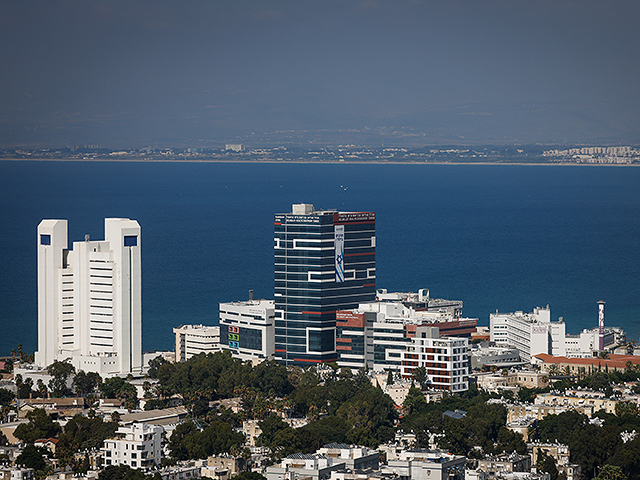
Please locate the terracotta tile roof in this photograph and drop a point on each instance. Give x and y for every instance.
(613, 361)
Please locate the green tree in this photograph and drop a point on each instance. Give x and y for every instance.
(61, 372)
(628, 459)
(327, 430)
(86, 383)
(372, 414)
(155, 364)
(510, 442)
(124, 472)
(24, 386)
(420, 376)
(270, 426)
(190, 443)
(611, 472)
(250, 476)
(547, 464)
(591, 446)
(40, 425)
(82, 433)
(116, 387)
(6, 396)
(33, 457)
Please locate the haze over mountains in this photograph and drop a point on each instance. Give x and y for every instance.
(367, 72)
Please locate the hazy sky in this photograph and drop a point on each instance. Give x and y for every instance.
(138, 72)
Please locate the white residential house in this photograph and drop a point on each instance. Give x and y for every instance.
(137, 445)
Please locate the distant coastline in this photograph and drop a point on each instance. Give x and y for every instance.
(351, 154)
(315, 162)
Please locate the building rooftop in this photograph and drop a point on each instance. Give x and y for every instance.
(613, 361)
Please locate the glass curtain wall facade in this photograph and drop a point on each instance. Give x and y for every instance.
(324, 262)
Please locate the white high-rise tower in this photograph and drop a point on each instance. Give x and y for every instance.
(90, 298)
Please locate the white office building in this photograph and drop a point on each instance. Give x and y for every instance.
(586, 343)
(193, 340)
(247, 329)
(530, 333)
(138, 445)
(90, 298)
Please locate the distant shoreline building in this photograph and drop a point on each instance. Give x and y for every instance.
(90, 298)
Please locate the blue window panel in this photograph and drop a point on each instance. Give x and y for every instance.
(131, 241)
(45, 239)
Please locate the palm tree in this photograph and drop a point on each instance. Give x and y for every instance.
(5, 411)
(42, 388)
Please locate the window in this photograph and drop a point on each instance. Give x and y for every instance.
(45, 239)
(130, 240)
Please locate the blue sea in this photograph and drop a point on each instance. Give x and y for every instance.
(497, 237)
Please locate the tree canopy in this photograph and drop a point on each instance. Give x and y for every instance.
(40, 425)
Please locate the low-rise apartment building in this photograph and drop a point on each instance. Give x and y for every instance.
(137, 445)
(420, 464)
(592, 401)
(561, 454)
(16, 473)
(446, 360)
(493, 382)
(513, 462)
(193, 340)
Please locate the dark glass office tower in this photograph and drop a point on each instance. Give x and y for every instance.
(324, 261)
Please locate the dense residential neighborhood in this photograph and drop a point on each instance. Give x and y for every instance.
(219, 417)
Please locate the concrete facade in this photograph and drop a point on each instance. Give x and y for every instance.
(530, 333)
(137, 445)
(446, 360)
(90, 298)
(193, 340)
(247, 329)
